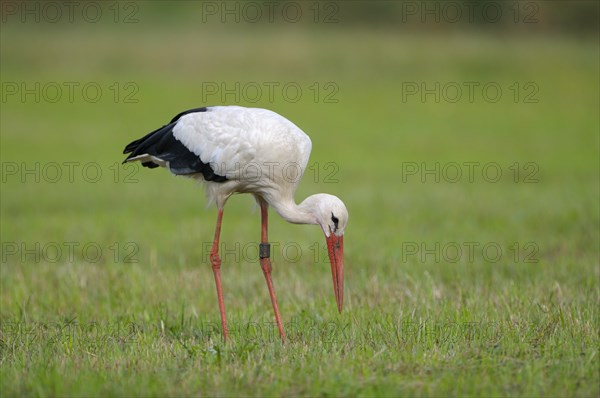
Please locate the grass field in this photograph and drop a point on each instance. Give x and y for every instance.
(472, 250)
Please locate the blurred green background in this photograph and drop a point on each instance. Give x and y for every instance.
(375, 86)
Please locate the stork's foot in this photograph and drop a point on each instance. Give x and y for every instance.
(265, 265)
(216, 267)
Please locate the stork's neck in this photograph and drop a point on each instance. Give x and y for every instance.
(302, 213)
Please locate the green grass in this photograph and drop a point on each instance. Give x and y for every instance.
(521, 322)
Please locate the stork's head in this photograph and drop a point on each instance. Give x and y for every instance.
(331, 214)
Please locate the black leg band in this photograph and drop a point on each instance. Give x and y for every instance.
(264, 250)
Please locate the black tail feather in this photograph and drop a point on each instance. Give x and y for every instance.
(161, 144)
(139, 146)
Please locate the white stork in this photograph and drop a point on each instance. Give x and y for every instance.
(247, 150)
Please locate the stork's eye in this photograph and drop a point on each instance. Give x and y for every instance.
(335, 221)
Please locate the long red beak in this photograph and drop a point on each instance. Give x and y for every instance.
(335, 247)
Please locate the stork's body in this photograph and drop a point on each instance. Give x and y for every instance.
(247, 150)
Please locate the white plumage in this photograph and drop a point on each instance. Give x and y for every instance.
(255, 149)
(247, 150)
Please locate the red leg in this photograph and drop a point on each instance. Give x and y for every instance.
(265, 264)
(216, 266)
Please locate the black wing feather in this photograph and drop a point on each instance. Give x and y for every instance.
(179, 115)
(161, 144)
